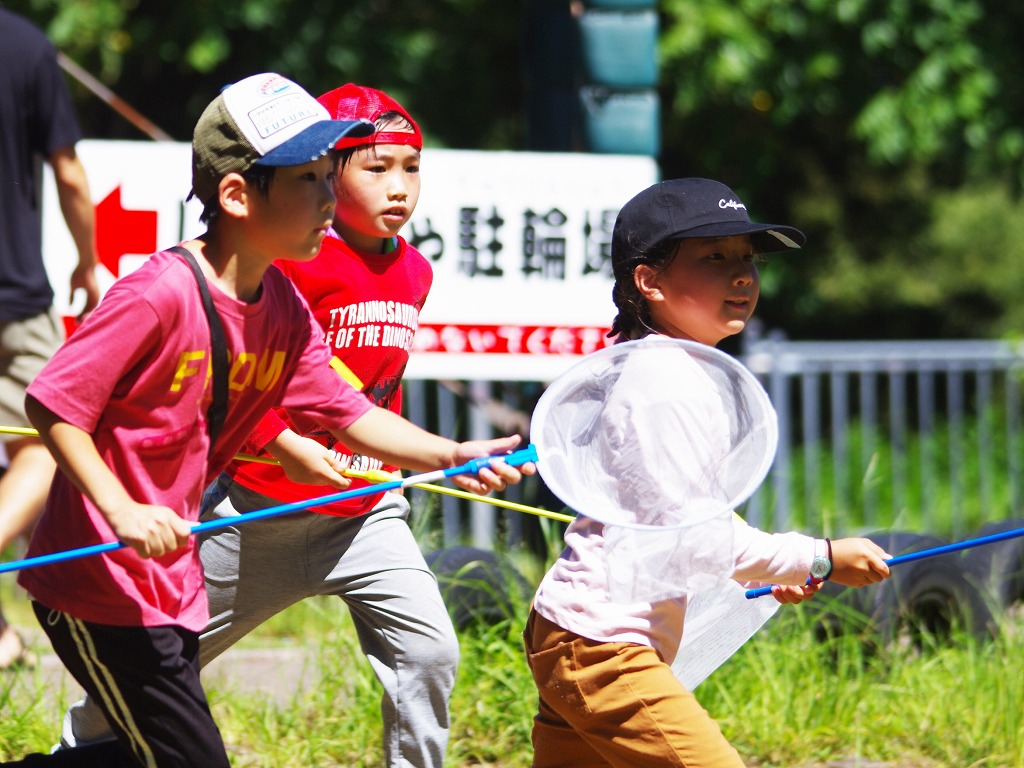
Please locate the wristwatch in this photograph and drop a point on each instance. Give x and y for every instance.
(821, 565)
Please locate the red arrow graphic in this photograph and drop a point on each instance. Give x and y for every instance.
(119, 231)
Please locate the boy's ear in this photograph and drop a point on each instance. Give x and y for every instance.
(233, 194)
(647, 282)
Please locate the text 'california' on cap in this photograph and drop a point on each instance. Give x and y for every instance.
(265, 119)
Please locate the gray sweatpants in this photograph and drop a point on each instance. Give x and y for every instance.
(373, 563)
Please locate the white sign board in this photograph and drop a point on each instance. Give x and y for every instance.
(519, 244)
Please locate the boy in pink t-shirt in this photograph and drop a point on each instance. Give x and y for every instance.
(123, 406)
(366, 277)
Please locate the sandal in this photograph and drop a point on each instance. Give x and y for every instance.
(13, 653)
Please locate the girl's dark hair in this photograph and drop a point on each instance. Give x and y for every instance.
(393, 119)
(634, 318)
(258, 177)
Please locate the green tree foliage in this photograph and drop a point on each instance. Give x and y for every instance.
(907, 80)
(452, 63)
(890, 130)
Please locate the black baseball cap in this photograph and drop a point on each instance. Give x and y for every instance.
(685, 208)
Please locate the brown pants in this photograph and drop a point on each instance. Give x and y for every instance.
(615, 704)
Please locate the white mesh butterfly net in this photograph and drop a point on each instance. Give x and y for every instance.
(659, 439)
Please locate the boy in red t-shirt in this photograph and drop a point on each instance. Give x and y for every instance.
(366, 288)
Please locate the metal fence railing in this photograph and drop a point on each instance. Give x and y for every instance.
(922, 436)
(472, 410)
(919, 435)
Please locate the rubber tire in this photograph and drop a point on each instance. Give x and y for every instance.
(478, 586)
(930, 596)
(997, 570)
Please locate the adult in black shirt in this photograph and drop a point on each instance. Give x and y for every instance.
(37, 125)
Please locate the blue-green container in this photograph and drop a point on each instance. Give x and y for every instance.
(619, 48)
(620, 5)
(621, 122)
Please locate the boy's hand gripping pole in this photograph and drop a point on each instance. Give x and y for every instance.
(515, 459)
(922, 554)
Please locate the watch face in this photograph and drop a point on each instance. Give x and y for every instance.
(820, 567)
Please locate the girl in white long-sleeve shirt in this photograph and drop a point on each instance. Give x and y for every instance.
(684, 256)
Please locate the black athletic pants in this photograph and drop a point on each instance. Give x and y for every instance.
(146, 679)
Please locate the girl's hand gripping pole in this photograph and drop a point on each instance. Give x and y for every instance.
(922, 554)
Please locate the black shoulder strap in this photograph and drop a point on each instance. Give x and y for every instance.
(219, 349)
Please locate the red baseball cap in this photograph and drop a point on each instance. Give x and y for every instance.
(359, 102)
